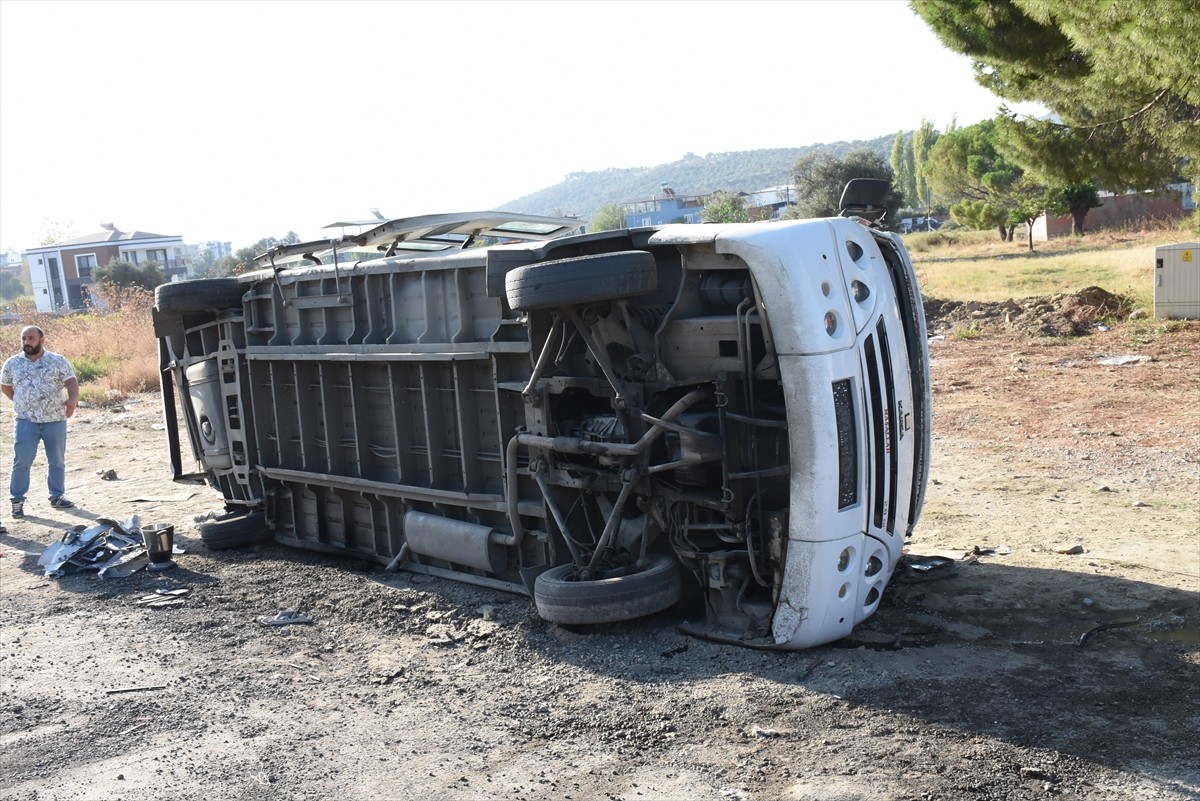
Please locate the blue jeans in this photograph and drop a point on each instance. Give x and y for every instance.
(26, 437)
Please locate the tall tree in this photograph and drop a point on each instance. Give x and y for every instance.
(1027, 200)
(10, 286)
(204, 264)
(1119, 77)
(965, 164)
(901, 163)
(122, 274)
(724, 207)
(923, 140)
(610, 217)
(820, 177)
(1078, 200)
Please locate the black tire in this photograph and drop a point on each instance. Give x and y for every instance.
(559, 599)
(180, 297)
(583, 279)
(237, 530)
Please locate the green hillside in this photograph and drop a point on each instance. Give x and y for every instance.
(583, 193)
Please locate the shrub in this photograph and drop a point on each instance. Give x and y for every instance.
(969, 331)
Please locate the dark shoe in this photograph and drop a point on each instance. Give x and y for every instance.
(18, 509)
(61, 502)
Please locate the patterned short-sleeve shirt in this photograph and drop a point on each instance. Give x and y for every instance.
(37, 386)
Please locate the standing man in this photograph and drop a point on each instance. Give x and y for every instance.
(33, 380)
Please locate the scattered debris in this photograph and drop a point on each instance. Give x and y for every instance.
(388, 677)
(995, 550)
(925, 568)
(1117, 361)
(136, 689)
(160, 598)
(1140, 505)
(159, 603)
(107, 475)
(160, 498)
(112, 549)
(287, 617)
(1094, 630)
(1070, 550)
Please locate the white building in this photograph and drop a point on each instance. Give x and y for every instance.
(61, 273)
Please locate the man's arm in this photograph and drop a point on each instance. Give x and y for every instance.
(8, 390)
(72, 385)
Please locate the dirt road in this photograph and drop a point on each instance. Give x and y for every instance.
(1059, 659)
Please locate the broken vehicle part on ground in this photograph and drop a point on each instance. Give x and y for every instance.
(112, 549)
(588, 419)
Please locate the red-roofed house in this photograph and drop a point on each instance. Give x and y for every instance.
(61, 273)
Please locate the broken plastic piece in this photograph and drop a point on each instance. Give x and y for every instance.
(125, 564)
(285, 618)
(1117, 361)
(111, 548)
(162, 597)
(158, 603)
(930, 563)
(925, 568)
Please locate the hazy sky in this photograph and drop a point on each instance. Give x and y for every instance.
(240, 120)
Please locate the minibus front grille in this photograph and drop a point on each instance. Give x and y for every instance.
(879, 399)
(847, 436)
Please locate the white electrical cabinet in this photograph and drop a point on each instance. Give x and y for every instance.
(1177, 280)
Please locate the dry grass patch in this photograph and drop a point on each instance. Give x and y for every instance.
(975, 265)
(114, 353)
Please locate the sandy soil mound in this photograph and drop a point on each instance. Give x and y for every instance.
(1053, 315)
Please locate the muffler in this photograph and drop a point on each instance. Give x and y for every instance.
(468, 544)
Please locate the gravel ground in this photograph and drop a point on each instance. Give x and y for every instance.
(1054, 654)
